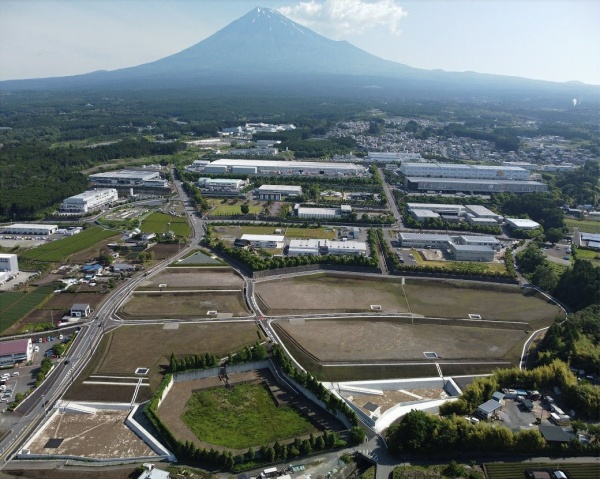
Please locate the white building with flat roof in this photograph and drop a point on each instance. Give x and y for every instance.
(459, 171)
(461, 252)
(424, 240)
(423, 215)
(29, 229)
(284, 168)
(522, 224)
(316, 247)
(392, 157)
(264, 241)
(468, 185)
(89, 201)
(129, 178)
(221, 185)
(9, 263)
(480, 211)
(441, 208)
(278, 192)
(473, 240)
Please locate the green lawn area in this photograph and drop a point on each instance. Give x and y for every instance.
(289, 232)
(230, 210)
(593, 256)
(585, 226)
(59, 250)
(242, 417)
(162, 223)
(13, 306)
(472, 266)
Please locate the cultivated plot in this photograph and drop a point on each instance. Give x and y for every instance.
(327, 293)
(127, 348)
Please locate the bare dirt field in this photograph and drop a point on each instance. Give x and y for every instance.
(199, 278)
(102, 436)
(66, 300)
(326, 293)
(70, 472)
(494, 302)
(444, 299)
(379, 340)
(117, 355)
(182, 305)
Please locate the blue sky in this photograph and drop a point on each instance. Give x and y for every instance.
(543, 39)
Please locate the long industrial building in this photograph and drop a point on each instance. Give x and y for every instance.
(278, 192)
(315, 247)
(17, 351)
(392, 157)
(461, 248)
(425, 185)
(89, 201)
(29, 229)
(459, 171)
(221, 185)
(283, 168)
(129, 178)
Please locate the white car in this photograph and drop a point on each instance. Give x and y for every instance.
(16, 373)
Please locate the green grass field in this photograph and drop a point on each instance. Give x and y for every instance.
(17, 305)
(289, 232)
(162, 223)
(585, 226)
(60, 250)
(513, 470)
(471, 266)
(593, 256)
(242, 417)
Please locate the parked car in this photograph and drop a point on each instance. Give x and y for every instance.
(16, 373)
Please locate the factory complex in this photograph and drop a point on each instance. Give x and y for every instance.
(129, 179)
(460, 171)
(414, 184)
(89, 201)
(29, 229)
(461, 248)
(474, 214)
(315, 247)
(283, 168)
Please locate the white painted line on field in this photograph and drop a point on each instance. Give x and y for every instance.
(163, 291)
(113, 383)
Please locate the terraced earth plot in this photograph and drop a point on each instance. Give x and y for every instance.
(127, 348)
(322, 293)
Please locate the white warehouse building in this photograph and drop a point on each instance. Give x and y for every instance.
(474, 172)
(471, 252)
(472, 240)
(424, 240)
(277, 192)
(315, 247)
(322, 213)
(29, 229)
(522, 224)
(392, 157)
(9, 263)
(264, 241)
(217, 185)
(284, 168)
(89, 201)
(129, 178)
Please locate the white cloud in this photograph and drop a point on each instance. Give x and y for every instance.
(341, 18)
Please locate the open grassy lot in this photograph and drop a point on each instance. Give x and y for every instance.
(435, 298)
(61, 249)
(503, 470)
(196, 278)
(589, 255)
(14, 308)
(182, 305)
(241, 417)
(364, 340)
(162, 223)
(129, 347)
(233, 207)
(232, 232)
(163, 250)
(458, 299)
(471, 265)
(585, 226)
(326, 293)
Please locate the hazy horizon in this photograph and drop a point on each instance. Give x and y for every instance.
(544, 40)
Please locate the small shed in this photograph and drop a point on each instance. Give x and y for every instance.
(554, 434)
(498, 396)
(80, 310)
(488, 408)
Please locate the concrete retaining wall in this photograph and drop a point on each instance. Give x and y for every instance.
(165, 392)
(148, 438)
(212, 372)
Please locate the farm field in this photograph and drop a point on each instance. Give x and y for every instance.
(232, 232)
(242, 417)
(585, 226)
(443, 299)
(163, 250)
(61, 249)
(116, 357)
(368, 339)
(162, 223)
(513, 470)
(327, 293)
(13, 308)
(196, 278)
(179, 305)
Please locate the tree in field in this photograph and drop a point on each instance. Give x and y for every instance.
(245, 208)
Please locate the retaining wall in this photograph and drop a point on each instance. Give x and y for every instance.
(148, 438)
